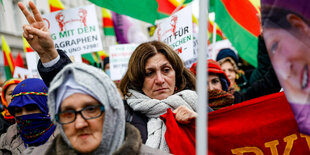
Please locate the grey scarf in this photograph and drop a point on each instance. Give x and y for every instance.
(153, 108)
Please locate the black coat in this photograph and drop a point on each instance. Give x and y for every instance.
(4, 125)
(267, 85)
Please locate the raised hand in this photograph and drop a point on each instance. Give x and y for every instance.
(37, 34)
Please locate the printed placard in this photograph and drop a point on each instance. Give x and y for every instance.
(75, 30)
(119, 58)
(177, 31)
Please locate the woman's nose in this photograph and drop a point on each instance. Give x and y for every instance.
(210, 86)
(159, 78)
(80, 122)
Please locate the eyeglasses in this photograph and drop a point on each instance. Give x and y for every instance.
(89, 112)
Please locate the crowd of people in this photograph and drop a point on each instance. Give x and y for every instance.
(77, 109)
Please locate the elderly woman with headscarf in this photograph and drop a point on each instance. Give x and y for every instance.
(33, 125)
(90, 114)
(6, 119)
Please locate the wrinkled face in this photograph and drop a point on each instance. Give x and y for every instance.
(214, 82)
(228, 68)
(9, 92)
(159, 82)
(290, 57)
(84, 135)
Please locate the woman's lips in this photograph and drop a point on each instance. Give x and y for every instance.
(161, 89)
(84, 135)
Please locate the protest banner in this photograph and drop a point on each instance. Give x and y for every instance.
(261, 126)
(119, 58)
(75, 30)
(177, 31)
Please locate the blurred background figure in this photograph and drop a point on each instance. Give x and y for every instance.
(218, 87)
(228, 61)
(6, 119)
(106, 66)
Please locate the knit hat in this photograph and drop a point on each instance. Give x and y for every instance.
(227, 52)
(214, 67)
(7, 116)
(299, 6)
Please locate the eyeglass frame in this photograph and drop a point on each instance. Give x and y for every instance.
(80, 112)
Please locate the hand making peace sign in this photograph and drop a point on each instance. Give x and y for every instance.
(37, 34)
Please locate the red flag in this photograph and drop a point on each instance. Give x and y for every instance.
(19, 61)
(264, 125)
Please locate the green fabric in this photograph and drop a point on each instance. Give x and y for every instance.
(109, 31)
(218, 38)
(244, 42)
(145, 10)
(212, 6)
(187, 1)
(89, 57)
(7, 71)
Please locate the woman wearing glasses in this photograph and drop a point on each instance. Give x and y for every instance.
(90, 121)
(33, 126)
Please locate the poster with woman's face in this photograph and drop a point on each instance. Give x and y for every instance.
(286, 30)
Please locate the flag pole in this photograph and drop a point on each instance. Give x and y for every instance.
(202, 75)
(214, 37)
